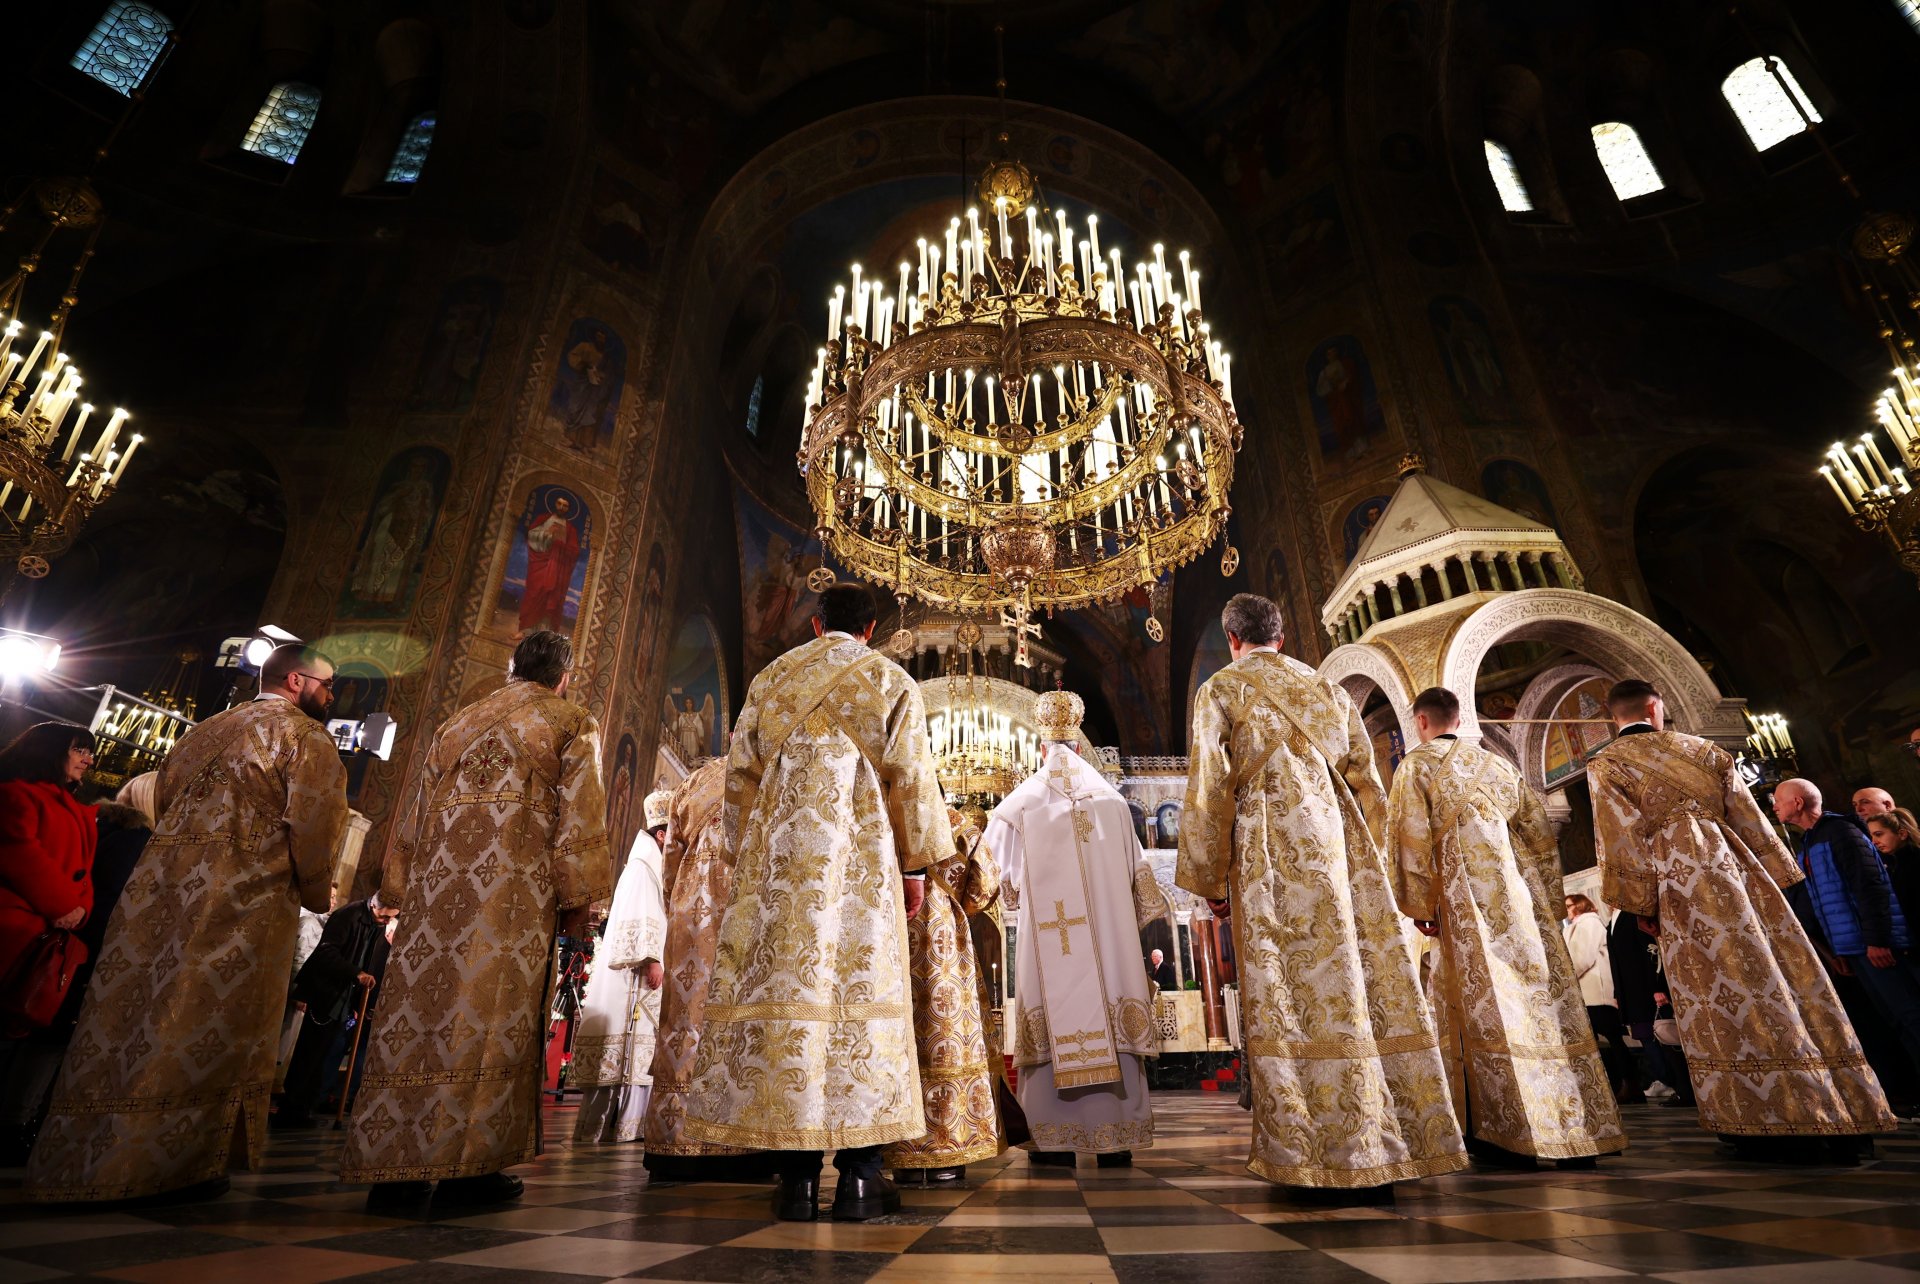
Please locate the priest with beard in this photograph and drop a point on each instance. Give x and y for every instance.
(1068, 850)
(172, 1062)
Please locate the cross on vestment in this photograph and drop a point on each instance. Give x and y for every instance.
(1062, 923)
(1015, 618)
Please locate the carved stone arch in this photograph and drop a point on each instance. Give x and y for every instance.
(1362, 670)
(1616, 638)
(1539, 700)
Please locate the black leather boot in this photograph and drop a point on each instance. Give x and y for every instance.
(1051, 1158)
(798, 1199)
(861, 1198)
(397, 1194)
(490, 1188)
(1114, 1159)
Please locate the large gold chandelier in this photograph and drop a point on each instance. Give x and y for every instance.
(1016, 422)
(982, 750)
(1877, 491)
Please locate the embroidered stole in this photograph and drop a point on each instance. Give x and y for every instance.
(1060, 837)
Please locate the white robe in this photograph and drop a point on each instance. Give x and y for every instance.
(1100, 1026)
(619, 1015)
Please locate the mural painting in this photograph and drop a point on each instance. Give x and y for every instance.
(1359, 521)
(1166, 819)
(546, 575)
(694, 709)
(457, 344)
(392, 548)
(1472, 360)
(1346, 405)
(1308, 244)
(612, 228)
(1512, 485)
(1278, 586)
(775, 559)
(652, 595)
(1571, 743)
(620, 787)
(587, 384)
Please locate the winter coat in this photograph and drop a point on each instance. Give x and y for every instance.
(123, 833)
(47, 842)
(1851, 897)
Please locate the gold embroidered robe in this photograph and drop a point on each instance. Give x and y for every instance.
(831, 795)
(508, 829)
(949, 1027)
(1473, 851)
(699, 867)
(178, 1036)
(1768, 1046)
(1283, 805)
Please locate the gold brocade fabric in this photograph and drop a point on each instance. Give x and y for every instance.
(831, 794)
(507, 829)
(699, 883)
(956, 1078)
(1283, 805)
(1769, 1047)
(1472, 850)
(177, 1040)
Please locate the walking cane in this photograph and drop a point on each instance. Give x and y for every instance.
(353, 1056)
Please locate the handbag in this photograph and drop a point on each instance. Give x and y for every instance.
(40, 981)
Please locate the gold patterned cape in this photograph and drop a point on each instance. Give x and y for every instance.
(831, 795)
(177, 1039)
(949, 1027)
(699, 866)
(1473, 851)
(1768, 1046)
(507, 829)
(1282, 812)
(1069, 855)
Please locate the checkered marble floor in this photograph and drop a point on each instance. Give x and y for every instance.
(1673, 1207)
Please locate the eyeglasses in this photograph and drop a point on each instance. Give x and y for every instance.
(1912, 746)
(325, 682)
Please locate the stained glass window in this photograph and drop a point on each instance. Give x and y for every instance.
(1629, 168)
(411, 156)
(1762, 102)
(281, 126)
(1507, 180)
(753, 405)
(123, 46)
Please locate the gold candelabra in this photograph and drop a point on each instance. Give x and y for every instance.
(1017, 422)
(49, 485)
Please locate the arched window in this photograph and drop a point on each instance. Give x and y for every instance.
(1760, 97)
(1910, 10)
(411, 156)
(753, 405)
(1624, 157)
(123, 46)
(1507, 180)
(281, 126)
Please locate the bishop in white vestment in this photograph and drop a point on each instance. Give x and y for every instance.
(620, 1015)
(1066, 845)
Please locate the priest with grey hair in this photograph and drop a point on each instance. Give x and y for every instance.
(1080, 890)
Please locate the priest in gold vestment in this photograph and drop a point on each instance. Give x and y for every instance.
(1681, 841)
(831, 798)
(949, 1025)
(175, 1047)
(1281, 825)
(699, 874)
(504, 845)
(1475, 865)
(1070, 857)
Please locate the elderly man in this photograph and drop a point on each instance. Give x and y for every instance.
(1682, 842)
(504, 846)
(1284, 816)
(1870, 802)
(1852, 907)
(176, 1044)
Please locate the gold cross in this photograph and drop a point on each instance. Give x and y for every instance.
(1062, 923)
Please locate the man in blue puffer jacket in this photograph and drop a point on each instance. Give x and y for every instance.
(1851, 904)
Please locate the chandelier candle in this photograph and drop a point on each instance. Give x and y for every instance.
(1010, 434)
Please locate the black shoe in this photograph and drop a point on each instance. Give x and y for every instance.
(929, 1176)
(1492, 1156)
(1051, 1158)
(798, 1199)
(1115, 1159)
(1678, 1102)
(1335, 1197)
(398, 1194)
(1577, 1162)
(490, 1188)
(861, 1199)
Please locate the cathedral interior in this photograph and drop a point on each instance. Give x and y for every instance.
(479, 318)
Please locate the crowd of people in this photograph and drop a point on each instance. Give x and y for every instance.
(787, 966)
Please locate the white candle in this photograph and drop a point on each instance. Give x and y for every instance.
(1006, 237)
(75, 475)
(7, 337)
(1193, 288)
(6, 372)
(834, 306)
(106, 473)
(992, 413)
(73, 438)
(33, 358)
(953, 245)
(1093, 234)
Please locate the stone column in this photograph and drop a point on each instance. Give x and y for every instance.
(1466, 565)
(1393, 594)
(1446, 583)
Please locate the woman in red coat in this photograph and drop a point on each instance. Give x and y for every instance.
(47, 836)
